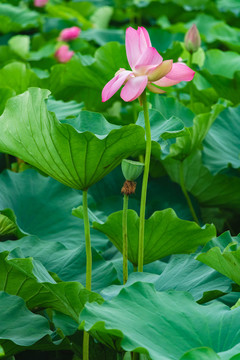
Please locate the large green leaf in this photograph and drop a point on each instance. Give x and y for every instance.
(103, 36)
(8, 225)
(221, 145)
(225, 87)
(49, 219)
(68, 11)
(20, 44)
(5, 94)
(29, 279)
(18, 324)
(228, 5)
(194, 135)
(181, 273)
(165, 234)
(165, 325)
(64, 110)
(68, 264)
(162, 129)
(18, 77)
(203, 353)
(223, 255)
(213, 191)
(170, 106)
(73, 158)
(217, 60)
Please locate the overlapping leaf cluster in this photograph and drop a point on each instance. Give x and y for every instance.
(57, 138)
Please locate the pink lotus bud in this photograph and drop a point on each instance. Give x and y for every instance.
(40, 3)
(192, 39)
(69, 33)
(63, 54)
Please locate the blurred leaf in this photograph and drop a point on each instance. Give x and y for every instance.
(75, 81)
(18, 77)
(17, 18)
(20, 44)
(202, 353)
(67, 12)
(223, 63)
(221, 147)
(229, 5)
(225, 87)
(102, 17)
(103, 36)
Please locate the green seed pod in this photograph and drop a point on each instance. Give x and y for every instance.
(132, 169)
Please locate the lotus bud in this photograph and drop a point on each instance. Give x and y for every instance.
(69, 33)
(132, 169)
(63, 54)
(192, 39)
(40, 3)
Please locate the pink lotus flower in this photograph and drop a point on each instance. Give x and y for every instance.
(40, 3)
(69, 33)
(148, 69)
(63, 54)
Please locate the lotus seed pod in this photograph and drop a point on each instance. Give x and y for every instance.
(132, 169)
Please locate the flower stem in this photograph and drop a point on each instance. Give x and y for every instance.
(88, 266)
(184, 190)
(145, 181)
(7, 161)
(125, 238)
(191, 84)
(134, 356)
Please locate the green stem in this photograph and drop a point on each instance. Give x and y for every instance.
(191, 83)
(134, 356)
(85, 345)
(7, 160)
(88, 266)
(125, 238)
(184, 190)
(145, 182)
(135, 114)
